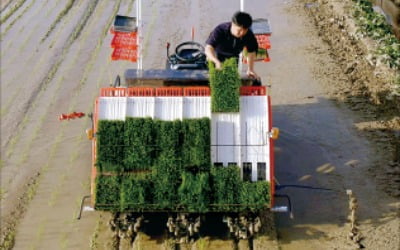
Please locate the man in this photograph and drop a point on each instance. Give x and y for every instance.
(228, 40)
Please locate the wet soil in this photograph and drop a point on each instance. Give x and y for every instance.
(338, 124)
(338, 131)
(367, 88)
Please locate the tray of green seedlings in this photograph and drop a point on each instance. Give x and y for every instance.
(225, 85)
(166, 166)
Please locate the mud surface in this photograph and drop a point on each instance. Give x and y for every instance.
(338, 126)
(337, 129)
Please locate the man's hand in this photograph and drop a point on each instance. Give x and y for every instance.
(252, 74)
(210, 53)
(250, 70)
(218, 65)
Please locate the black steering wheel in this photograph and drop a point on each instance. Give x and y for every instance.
(189, 52)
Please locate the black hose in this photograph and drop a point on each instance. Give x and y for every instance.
(80, 211)
(289, 203)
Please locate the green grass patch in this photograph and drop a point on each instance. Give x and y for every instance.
(374, 25)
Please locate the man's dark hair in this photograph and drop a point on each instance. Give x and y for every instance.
(242, 19)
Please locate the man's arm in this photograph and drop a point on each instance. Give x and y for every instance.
(250, 61)
(211, 56)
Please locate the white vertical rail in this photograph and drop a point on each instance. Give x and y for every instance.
(137, 16)
(241, 54)
(139, 25)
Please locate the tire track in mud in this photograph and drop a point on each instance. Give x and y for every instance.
(202, 29)
(5, 6)
(12, 11)
(90, 108)
(103, 71)
(144, 36)
(24, 155)
(12, 42)
(99, 222)
(166, 35)
(29, 38)
(21, 159)
(60, 16)
(17, 18)
(125, 5)
(37, 63)
(38, 127)
(32, 136)
(75, 34)
(72, 105)
(132, 2)
(33, 31)
(12, 97)
(8, 226)
(19, 125)
(64, 23)
(24, 43)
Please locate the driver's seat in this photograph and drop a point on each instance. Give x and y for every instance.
(188, 55)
